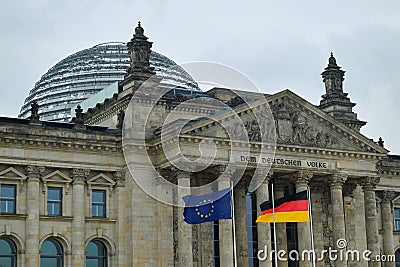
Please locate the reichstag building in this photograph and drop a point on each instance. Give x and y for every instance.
(90, 174)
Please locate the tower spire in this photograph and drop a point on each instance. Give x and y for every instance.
(139, 51)
(335, 101)
(140, 71)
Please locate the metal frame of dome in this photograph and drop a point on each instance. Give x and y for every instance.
(84, 73)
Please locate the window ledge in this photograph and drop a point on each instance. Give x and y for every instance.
(99, 219)
(55, 218)
(13, 216)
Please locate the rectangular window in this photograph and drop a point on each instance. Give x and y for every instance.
(397, 219)
(99, 203)
(54, 201)
(7, 198)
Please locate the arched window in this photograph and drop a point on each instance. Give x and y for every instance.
(96, 254)
(397, 256)
(8, 253)
(51, 254)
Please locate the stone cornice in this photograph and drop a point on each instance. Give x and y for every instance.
(53, 142)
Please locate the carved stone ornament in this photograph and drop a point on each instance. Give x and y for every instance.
(80, 172)
(34, 172)
(370, 182)
(337, 180)
(294, 128)
(303, 177)
(388, 196)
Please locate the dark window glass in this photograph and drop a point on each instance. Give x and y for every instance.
(8, 253)
(51, 254)
(99, 203)
(215, 234)
(397, 257)
(96, 254)
(397, 219)
(252, 236)
(54, 201)
(7, 198)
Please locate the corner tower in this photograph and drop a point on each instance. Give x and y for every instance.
(335, 102)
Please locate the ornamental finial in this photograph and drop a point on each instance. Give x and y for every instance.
(139, 30)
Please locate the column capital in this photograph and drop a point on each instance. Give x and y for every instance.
(34, 172)
(302, 177)
(119, 178)
(370, 182)
(79, 175)
(337, 180)
(388, 196)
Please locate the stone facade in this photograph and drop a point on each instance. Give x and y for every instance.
(354, 184)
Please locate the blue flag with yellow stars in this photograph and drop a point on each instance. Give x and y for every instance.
(206, 208)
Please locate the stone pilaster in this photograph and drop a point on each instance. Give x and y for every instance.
(185, 253)
(206, 244)
(32, 221)
(240, 223)
(338, 225)
(264, 229)
(78, 212)
(225, 226)
(371, 218)
(165, 223)
(281, 236)
(387, 224)
(122, 222)
(303, 228)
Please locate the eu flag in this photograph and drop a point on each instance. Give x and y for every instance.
(206, 208)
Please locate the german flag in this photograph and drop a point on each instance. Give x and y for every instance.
(287, 209)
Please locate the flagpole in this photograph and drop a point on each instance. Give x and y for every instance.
(311, 224)
(233, 225)
(273, 219)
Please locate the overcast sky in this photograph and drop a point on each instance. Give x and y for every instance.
(278, 44)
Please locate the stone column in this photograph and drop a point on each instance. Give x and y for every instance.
(185, 253)
(303, 228)
(371, 218)
(387, 224)
(225, 226)
(78, 212)
(360, 235)
(32, 221)
(241, 224)
(281, 236)
(349, 218)
(264, 229)
(338, 225)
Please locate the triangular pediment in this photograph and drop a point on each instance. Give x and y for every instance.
(12, 174)
(297, 123)
(57, 177)
(101, 179)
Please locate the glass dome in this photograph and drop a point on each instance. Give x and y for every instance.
(85, 73)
